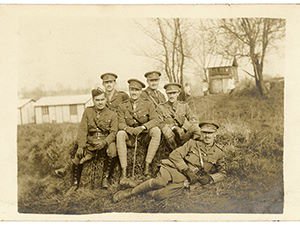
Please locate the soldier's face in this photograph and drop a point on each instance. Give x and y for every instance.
(172, 96)
(99, 101)
(153, 84)
(208, 138)
(109, 85)
(134, 93)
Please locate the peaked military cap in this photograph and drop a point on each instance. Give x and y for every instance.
(108, 76)
(209, 126)
(153, 75)
(97, 91)
(172, 87)
(135, 83)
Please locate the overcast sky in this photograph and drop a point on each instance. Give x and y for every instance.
(71, 51)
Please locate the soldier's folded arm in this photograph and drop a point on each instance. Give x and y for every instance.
(113, 129)
(177, 156)
(82, 131)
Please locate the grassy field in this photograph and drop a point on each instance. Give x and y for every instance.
(252, 136)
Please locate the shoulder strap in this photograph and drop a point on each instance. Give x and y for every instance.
(152, 99)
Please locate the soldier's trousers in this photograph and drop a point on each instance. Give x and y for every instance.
(170, 136)
(123, 138)
(111, 152)
(161, 187)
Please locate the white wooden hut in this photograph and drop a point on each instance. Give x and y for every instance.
(60, 109)
(26, 111)
(222, 74)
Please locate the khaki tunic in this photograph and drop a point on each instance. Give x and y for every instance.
(189, 156)
(154, 96)
(117, 98)
(97, 125)
(144, 114)
(179, 114)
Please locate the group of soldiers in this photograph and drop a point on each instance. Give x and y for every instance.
(118, 120)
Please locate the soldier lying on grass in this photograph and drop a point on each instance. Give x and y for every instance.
(200, 160)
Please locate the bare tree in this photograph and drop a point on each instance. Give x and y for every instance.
(170, 37)
(252, 38)
(172, 41)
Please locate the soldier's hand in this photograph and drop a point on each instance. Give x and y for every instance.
(138, 130)
(101, 144)
(80, 152)
(179, 131)
(205, 179)
(190, 175)
(129, 130)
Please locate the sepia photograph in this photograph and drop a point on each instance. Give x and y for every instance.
(121, 110)
(150, 115)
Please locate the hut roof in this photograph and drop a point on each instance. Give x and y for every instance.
(220, 61)
(63, 100)
(24, 101)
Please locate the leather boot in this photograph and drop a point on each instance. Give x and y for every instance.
(76, 174)
(114, 164)
(143, 187)
(107, 168)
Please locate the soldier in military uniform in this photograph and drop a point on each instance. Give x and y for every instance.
(97, 132)
(178, 123)
(136, 116)
(114, 97)
(151, 92)
(198, 160)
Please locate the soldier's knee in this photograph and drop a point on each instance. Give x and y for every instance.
(121, 135)
(167, 132)
(195, 128)
(112, 150)
(155, 132)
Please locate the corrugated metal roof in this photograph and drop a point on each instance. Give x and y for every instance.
(22, 102)
(63, 100)
(219, 61)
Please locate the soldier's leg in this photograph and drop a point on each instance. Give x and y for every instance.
(195, 132)
(168, 191)
(162, 179)
(169, 136)
(155, 135)
(111, 153)
(122, 137)
(76, 172)
(61, 172)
